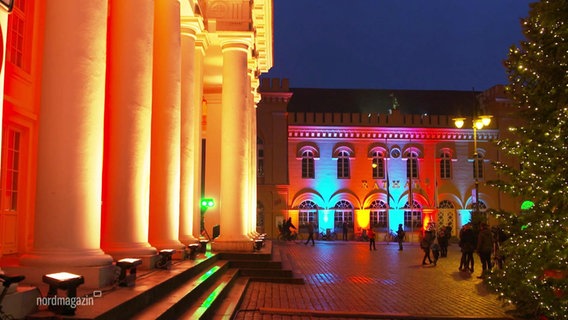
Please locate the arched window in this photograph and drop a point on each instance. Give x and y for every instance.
(307, 213)
(445, 204)
(308, 170)
(378, 215)
(378, 165)
(343, 213)
(412, 165)
(413, 216)
(343, 165)
(445, 165)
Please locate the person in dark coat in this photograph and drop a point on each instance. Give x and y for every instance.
(467, 244)
(425, 245)
(310, 234)
(443, 241)
(400, 236)
(484, 248)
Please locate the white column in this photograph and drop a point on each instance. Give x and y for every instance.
(70, 145)
(189, 148)
(129, 111)
(234, 151)
(198, 68)
(166, 117)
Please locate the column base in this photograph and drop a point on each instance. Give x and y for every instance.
(188, 239)
(168, 244)
(95, 277)
(238, 244)
(93, 264)
(120, 251)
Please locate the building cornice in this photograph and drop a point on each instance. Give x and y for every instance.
(389, 133)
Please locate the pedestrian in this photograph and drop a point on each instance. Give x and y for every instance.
(310, 234)
(371, 235)
(443, 242)
(345, 229)
(484, 248)
(425, 244)
(467, 244)
(435, 250)
(400, 236)
(288, 226)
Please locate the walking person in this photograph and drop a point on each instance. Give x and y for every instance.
(435, 249)
(345, 230)
(371, 235)
(443, 240)
(400, 236)
(310, 234)
(425, 244)
(484, 248)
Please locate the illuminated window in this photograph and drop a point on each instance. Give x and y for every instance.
(445, 204)
(445, 166)
(482, 206)
(343, 213)
(343, 165)
(412, 165)
(378, 165)
(19, 28)
(478, 167)
(413, 216)
(379, 214)
(12, 170)
(307, 213)
(308, 171)
(260, 157)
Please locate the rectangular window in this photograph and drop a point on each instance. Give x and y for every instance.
(413, 219)
(342, 168)
(16, 46)
(308, 171)
(478, 168)
(378, 168)
(445, 169)
(12, 167)
(412, 168)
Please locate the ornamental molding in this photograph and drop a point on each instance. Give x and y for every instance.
(439, 134)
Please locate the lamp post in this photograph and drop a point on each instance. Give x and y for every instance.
(477, 124)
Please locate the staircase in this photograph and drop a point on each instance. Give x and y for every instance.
(209, 287)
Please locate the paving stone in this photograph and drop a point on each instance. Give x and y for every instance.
(344, 280)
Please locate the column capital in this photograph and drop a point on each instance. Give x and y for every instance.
(236, 41)
(192, 26)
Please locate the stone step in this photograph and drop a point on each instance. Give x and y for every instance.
(210, 301)
(186, 294)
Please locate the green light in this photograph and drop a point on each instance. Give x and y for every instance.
(207, 202)
(527, 204)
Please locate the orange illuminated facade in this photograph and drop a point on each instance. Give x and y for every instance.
(376, 158)
(113, 119)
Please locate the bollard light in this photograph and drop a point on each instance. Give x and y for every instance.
(165, 261)
(127, 264)
(63, 281)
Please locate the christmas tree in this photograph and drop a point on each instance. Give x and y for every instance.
(534, 276)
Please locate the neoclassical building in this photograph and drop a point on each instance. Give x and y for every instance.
(118, 117)
(377, 158)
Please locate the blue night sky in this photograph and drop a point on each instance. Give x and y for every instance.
(395, 44)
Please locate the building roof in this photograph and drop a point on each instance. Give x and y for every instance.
(369, 101)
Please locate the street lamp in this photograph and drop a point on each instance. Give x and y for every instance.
(477, 124)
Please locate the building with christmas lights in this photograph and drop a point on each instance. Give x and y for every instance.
(116, 115)
(377, 158)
